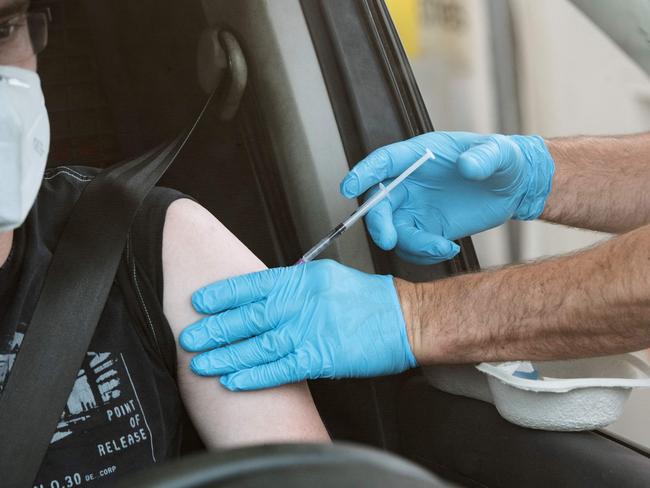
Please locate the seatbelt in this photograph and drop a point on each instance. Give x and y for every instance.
(72, 299)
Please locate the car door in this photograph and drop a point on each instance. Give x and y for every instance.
(327, 82)
(366, 85)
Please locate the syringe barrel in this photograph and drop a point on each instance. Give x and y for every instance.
(324, 243)
(363, 210)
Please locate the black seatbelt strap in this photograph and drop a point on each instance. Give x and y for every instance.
(72, 299)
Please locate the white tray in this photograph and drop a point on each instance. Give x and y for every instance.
(580, 394)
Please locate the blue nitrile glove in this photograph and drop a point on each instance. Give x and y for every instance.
(475, 183)
(314, 320)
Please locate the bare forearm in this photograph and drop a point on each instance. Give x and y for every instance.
(600, 183)
(593, 303)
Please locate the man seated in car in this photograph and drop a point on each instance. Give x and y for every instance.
(124, 412)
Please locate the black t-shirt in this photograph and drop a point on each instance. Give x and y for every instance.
(124, 412)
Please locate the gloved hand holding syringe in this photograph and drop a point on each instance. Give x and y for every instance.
(321, 319)
(363, 210)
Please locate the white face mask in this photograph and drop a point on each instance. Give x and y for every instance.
(24, 143)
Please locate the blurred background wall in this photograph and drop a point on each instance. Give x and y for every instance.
(554, 68)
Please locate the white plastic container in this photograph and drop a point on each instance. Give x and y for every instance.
(580, 394)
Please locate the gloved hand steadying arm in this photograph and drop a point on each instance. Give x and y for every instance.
(475, 183)
(315, 320)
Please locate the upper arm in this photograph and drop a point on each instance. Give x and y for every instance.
(198, 250)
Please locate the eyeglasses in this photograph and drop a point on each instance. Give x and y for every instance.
(22, 36)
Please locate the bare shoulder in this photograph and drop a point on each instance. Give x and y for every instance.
(199, 250)
(193, 237)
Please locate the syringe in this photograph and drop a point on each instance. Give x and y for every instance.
(383, 192)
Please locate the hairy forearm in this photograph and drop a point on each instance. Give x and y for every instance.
(596, 302)
(600, 183)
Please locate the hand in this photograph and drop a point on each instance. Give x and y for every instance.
(475, 183)
(315, 320)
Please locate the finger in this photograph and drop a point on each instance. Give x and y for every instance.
(235, 292)
(379, 220)
(422, 247)
(283, 371)
(379, 223)
(226, 327)
(386, 162)
(266, 348)
(494, 154)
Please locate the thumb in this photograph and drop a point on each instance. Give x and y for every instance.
(494, 154)
(379, 222)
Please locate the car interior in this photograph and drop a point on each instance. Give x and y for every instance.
(317, 85)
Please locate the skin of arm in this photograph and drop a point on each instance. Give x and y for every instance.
(592, 303)
(198, 250)
(600, 183)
